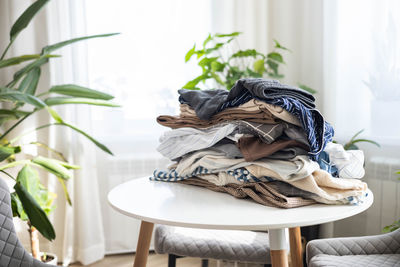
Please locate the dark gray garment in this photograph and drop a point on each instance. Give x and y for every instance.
(205, 102)
(208, 102)
(230, 150)
(270, 89)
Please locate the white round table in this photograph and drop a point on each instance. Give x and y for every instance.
(190, 206)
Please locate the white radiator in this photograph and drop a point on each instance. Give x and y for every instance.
(122, 232)
(383, 182)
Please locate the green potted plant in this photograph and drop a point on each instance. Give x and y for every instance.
(31, 201)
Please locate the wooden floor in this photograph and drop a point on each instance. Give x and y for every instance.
(154, 260)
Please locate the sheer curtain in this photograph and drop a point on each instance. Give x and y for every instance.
(363, 89)
(79, 228)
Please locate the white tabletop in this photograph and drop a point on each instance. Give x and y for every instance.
(191, 206)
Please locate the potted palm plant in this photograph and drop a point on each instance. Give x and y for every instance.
(31, 200)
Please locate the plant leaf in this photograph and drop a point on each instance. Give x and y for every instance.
(66, 194)
(228, 35)
(254, 74)
(217, 66)
(36, 215)
(54, 114)
(52, 101)
(245, 53)
(207, 61)
(35, 64)
(259, 66)
(50, 48)
(8, 94)
(23, 20)
(276, 57)
(59, 154)
(97, 143)
(279, 46)
(192, 84)
(273, 66)
(17, 60)
(190, 53)
(209, 38)
(79, 91)
(12, 114)
(52, 166)
(366, 140)
(13, 164)
(29, 83)
(6, 151)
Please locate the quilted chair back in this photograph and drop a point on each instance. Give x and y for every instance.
(12, 253)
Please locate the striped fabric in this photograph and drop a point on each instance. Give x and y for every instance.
(319, 132)
(178, 142)
(294, 100)
(240, 174)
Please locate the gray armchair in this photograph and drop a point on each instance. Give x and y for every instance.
(379, 250)
(12, 253)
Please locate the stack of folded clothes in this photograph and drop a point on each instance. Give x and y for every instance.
(261, 140)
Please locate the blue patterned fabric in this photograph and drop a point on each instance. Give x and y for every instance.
(241, 174)
(326, 165)
(294, 100)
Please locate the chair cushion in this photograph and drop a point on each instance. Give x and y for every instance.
(381, 260)
(245, 246)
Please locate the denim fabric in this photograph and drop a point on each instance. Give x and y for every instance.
(326, 165)
(294, 100)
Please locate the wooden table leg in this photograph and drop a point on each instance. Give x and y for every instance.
(277, 243)
(143, 245)
(296, 252)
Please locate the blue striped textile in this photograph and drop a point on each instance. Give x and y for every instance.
(241, 174)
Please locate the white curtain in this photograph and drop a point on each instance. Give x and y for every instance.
(79, 228)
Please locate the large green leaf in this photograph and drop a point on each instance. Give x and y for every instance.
(29, 84)
(23, 21)
(8, 94)
(6, 151)
(22, 72)
(79, 91)
(29, 179)
(36, 215)
(52, 101)
(17, 60)
(52, 166)
(97, 143)
(50, 48)
(208, 39)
